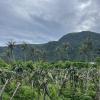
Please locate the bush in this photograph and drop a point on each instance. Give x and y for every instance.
(3, 64)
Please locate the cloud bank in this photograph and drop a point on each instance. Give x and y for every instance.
(40, 21)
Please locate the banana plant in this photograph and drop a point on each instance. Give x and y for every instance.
(3, 88)
(18, 85)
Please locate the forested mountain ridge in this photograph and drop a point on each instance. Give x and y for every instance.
(72, 46)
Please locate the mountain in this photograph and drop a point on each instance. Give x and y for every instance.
(54, 50)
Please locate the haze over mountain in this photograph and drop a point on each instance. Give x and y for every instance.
(53, 50)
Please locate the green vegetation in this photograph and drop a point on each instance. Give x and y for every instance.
(80, 46)
(52, 71)
(63, 80)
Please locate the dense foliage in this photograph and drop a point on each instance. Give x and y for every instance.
(73, 46)
(63, 80)
(61, 70)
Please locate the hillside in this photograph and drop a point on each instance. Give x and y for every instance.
(50, 51)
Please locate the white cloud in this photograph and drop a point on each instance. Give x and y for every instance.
(41, 21)
(88, 12)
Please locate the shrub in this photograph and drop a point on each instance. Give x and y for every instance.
(3, 64)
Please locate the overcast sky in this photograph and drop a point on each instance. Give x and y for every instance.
(40, 21)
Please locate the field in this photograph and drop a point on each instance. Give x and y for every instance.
(62, 80)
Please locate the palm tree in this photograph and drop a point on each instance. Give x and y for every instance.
(24, 47)
(32, 53)
(7, 54)
(38, 54)
(11, 46)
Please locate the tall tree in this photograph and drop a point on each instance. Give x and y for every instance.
(32, 53)
(24, 48)
(11, 46)
(38, 54)
(7, 54)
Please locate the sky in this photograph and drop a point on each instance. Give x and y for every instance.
(40, 21)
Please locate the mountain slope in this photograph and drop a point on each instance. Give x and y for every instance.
(75, 41)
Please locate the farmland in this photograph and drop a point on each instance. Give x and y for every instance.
(62, 80)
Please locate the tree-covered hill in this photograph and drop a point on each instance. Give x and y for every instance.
(72, 46)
